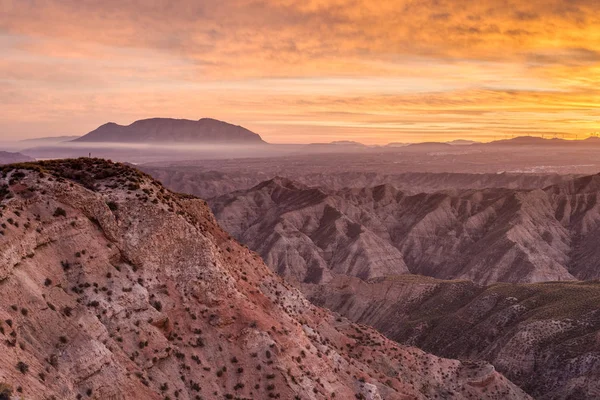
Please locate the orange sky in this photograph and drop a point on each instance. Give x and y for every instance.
(304, 71)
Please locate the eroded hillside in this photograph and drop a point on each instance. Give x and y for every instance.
(487, 236)
(542, 336)
(113, 287)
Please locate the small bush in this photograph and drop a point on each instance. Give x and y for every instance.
(22, 367)
(60, 212)
(5, 391)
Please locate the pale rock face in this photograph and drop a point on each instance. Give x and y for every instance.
(486, 236)
(112, 287)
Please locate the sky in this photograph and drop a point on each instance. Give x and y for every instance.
(304, 71)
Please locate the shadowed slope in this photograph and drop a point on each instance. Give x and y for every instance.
(542, 336)
(490, 235)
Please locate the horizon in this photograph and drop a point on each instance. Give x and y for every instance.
(321, 71)
(547, 136)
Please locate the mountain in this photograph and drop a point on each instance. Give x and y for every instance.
(462, 142)
(486, 236)
(347, 143)
(427, 146)
(340, 146)
(48, 140)
(172, 131)
(302, 234)
(540, 141)
(530, 141)
(542, 336)
(113, 287)
(396, 144)
(9, 157)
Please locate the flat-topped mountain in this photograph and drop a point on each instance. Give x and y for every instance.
(112, 287)
(172, 131)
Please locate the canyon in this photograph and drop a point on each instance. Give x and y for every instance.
(486, 236)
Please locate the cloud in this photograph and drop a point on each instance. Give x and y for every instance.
(124, 59)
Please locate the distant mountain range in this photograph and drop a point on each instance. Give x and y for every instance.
(208, 183)
(48, 140)
(172, 131)
(207, 130)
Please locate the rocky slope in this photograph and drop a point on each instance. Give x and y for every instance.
(490, 235)
(172, 131)
(306, 246)
(7, 157)
(543, 336)
(112, 287)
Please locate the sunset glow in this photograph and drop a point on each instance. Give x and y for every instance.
(305, 71)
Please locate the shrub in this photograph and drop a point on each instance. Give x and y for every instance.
(60, 212)
(21, 366)
(112, 206)
(5, 391)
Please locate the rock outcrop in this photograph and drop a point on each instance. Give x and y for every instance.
(112, 287)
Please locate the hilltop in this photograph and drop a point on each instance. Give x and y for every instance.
(113, 287)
